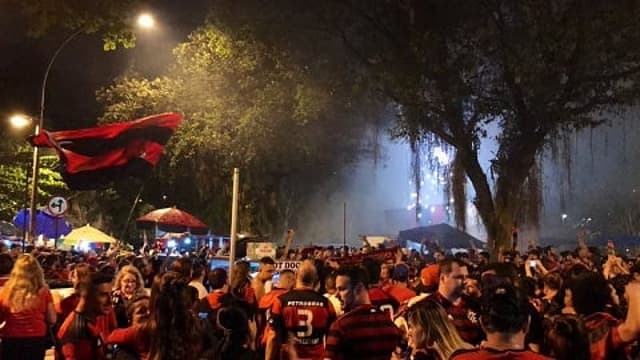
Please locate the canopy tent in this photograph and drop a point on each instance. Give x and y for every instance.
(87, 234)
(47, 225)
(172, 220)
(446, 236)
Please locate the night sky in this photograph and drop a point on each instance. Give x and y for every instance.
(83, 66)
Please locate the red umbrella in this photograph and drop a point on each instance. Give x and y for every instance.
(172, 220)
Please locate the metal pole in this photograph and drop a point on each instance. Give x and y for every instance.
(344, 225)
(55, 239)
(25, 216)
(39, 127)
(31, 235)
(234, 218)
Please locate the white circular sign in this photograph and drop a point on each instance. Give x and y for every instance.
(58, 206)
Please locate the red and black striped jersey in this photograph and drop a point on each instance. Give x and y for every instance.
(491, 354)
(383, 301)
(604, 338)
(306, 315)
(465, 316)
(363, 333)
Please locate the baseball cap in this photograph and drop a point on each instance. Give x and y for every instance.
(400, 272)
(430, 275)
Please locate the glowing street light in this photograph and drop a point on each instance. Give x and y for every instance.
(20, 121)
(146, 21)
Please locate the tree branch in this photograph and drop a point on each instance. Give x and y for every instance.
(516, 92)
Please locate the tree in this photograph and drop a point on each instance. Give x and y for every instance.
(530, 69)
(15, 181)
(245, 105)
(113, 19)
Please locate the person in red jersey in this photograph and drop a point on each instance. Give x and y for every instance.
(240, 285)
(219, 283)
(429, 277)
(286, 282)
(27, 308)
(67, 305)
(363, 332)
(83, 333)
(505, 319)
(129, 341)
(379, 298)
(171, 331)
(608, 336)
(462, 309)
(303, 315)
(400, 288)
(385, 276)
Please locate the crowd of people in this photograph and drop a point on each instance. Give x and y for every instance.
(338, 304)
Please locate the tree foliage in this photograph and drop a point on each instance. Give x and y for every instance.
(245, 105)
(15, 179)
(530, 69)
(113, 19)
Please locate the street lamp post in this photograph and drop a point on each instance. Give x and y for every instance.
(36, 150)
(144, 21)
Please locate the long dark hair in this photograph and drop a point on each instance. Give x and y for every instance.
(239, 279)
(233, 324)
(172, 329)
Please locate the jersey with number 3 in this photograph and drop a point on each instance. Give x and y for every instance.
(384, 302)
(306, 315)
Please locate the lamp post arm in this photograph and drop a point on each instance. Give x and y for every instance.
(46, 73)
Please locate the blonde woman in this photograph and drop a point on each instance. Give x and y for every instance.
(431, 334)
(128, 283)
(27, 307)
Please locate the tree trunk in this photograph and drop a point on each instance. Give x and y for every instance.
(506, 209)
(498, 212)
(484, 199)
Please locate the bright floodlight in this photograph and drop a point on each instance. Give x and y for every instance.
(19, 121)
(146, 21)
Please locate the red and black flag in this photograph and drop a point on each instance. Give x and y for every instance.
(92, 158)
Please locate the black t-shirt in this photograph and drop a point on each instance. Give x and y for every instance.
(536, 327)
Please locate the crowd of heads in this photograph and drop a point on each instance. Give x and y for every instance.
(442, 304)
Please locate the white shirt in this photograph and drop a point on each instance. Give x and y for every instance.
(202, 291)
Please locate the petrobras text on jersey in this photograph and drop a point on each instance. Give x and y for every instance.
(288, 265)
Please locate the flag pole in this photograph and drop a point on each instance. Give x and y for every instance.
(133, 207)
(234, 218)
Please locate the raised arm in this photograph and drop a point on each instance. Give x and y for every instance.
(629, 330)
(291, 234)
